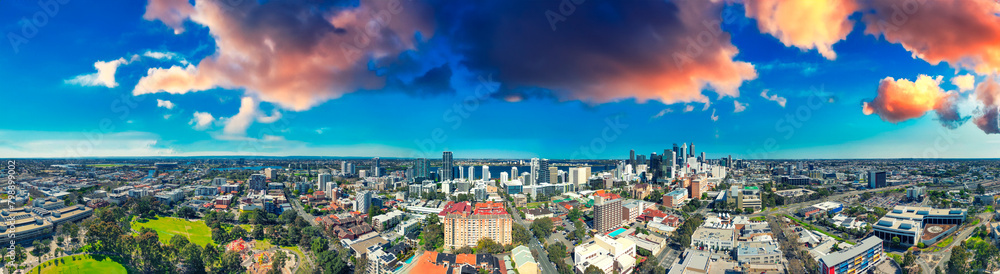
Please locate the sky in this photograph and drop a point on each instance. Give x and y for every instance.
(755, 79)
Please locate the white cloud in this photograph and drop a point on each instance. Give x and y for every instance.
(160, 55)
(324, 129)
(164, 104)
(688, 108)
(714, 117)
(249, 112)
(774, 97)
(964, 82)
(201, 120)
(105, 75)
(739, 107)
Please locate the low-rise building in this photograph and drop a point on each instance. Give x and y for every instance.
(857, 259)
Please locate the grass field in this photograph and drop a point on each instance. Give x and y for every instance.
(813, 228)
(757, 219)
(196, 232)
(945, 242)
(109, 165)
(82, 264)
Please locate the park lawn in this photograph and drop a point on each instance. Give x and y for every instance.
(196, 232)
(263, 244)
(83, 264)
(945, 242)
(757, 219)
(813, 228)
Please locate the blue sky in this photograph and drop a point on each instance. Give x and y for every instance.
(48, 114)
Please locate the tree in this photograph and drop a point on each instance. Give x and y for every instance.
(210, 255)
(835, 248)
(520, 235)
(258, 232)
(237, 232)
(179, 241)
(464, 250)
(593, 270)
(231, 263)
(908, 259)
(557, 251)
(279, 260)
(192, 258)
(895, 241)
(580, 229)
(487, 245)
(542, 228)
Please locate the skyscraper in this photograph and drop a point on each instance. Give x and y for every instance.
(461, 173)
(631, 157)
(322, 180)
(534, 169)
(343, 167)
(375, 166)
(513, 172)
(677, 151)
(486, 172)
(472, 173)
(543, 171)
(421, 169)
(691, 152)
(446, 166)
(682, 156)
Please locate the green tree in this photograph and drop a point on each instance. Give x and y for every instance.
(542, 228)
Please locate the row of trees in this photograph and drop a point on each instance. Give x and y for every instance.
(107, 234)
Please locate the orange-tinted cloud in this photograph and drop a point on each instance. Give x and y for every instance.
(814, 24)
(988, 92)
(963, 33)
(900, 100)
(290, 53)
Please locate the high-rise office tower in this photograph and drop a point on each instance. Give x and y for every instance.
(543, 171)
(703, 157)
(375, 167)
(446, 166)
(682, 156)
(691, 152)
(486, 173)
(472, 173)
(343, 167)
(504, 177)
(677, 151)
(323, 179)
(631, 157)
(421, 169)
(534, 169)
(729, 163)
(553, 175)
(461, 173)
(513, 172)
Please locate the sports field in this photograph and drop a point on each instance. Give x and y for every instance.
(196, 232)
(82, 264)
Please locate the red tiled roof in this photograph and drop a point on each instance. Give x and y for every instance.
(453, 207)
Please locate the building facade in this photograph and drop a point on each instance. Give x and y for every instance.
(465, 225)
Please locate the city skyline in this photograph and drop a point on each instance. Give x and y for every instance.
(192, 78)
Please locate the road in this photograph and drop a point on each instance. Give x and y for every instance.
(543, 260)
